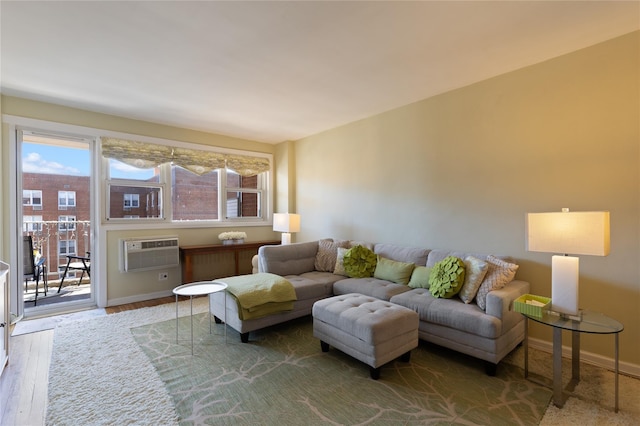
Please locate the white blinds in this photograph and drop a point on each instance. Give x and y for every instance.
(146, 155)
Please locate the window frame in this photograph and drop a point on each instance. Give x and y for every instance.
(225, 189)
(66, 244)
(134, 201)
(66, 198)
(68, 224)
(31, 224)
(128, 218)
(31, 192)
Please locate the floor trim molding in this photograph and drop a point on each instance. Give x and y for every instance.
(627, 368)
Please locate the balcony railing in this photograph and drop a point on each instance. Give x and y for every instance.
(54, 240)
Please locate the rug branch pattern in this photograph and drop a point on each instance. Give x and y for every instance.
(282, 377)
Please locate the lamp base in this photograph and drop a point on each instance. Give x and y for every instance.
(564, 285)
(286, 238)
(565, 316)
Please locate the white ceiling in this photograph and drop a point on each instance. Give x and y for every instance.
(275, 71)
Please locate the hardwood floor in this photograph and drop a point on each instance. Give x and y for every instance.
(23, 384)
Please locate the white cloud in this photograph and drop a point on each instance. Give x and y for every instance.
(34, 163)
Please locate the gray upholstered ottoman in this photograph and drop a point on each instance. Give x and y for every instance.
(371, 330)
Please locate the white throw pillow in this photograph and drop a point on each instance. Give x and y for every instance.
(476, 269)
(339, 270)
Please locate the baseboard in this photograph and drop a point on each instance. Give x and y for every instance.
(139, 298)
(626, 368)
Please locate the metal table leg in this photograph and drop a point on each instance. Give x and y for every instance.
(191, 303)
(617, 371)
(526, 347)
(558, 399)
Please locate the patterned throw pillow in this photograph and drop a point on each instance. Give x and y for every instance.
(447, 277)
(327, 254)
(339, 269)
(359, 262)
(499, 274)
(475, 271)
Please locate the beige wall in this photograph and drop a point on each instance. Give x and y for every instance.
(124, 287)
(461, 170)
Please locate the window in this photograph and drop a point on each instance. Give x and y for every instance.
(31, 223)
(66, 199)
(32, 197)
(243, 196)
(66, 223)
(66, 247)
(150, 181)
(132, 201)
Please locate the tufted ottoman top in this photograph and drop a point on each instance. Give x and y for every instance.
(367, 318)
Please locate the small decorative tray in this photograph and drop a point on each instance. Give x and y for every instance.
(530, 304)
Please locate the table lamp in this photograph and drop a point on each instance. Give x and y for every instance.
(286, 223)
(567, 233)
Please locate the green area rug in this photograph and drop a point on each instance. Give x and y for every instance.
(282, 377)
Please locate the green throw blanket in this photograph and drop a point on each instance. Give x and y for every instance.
(260, 294)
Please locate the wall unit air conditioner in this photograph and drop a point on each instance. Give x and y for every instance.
(144, 254)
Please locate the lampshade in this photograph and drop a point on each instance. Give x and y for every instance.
(569, 232)
(286, 222)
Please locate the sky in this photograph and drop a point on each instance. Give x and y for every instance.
(59, 160)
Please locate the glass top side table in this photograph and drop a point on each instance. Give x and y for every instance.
(592, 322)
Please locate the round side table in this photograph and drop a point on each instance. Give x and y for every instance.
(199, 288)
(592, 322)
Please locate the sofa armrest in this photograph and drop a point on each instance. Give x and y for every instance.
(500, 302)
(290, 259)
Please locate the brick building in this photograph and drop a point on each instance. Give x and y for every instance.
(56, 208)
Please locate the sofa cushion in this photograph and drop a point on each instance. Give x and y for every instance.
(382, 289)
(394, 271)
(291, 259)
(359, 262)
(414, 255)
(307, 288)
(420, 277)
(499, 274)
(327, 254)
(453, 313)
(475, 271)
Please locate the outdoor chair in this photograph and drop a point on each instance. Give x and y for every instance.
(77, 263)
(34, 268)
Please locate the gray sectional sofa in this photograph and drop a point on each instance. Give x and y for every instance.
(488, 334)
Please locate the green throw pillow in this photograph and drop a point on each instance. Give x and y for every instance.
(359, 262)
(420, 277)
(447, 277)
(394, 271)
